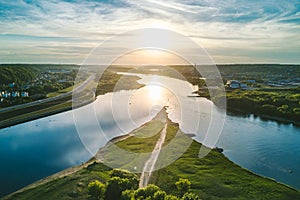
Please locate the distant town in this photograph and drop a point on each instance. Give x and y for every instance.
(44, 82)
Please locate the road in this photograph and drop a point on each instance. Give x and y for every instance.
(79, 89)
(150, 163)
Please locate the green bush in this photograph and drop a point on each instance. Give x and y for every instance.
(171, 197)
(159, 195)
(190, 196)
(183, 186)
(116, 186)
(96, 189)
(149, 191)
(127, 195)
(296, 110)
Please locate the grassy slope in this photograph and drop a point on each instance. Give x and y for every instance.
(212, 177)
(73, 186)
(216, 177)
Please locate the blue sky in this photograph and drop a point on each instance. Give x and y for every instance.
(232, 31)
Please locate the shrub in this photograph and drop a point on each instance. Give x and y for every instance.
(148, 191)
(190, 196)
(132, 178)
(115, 186)
(171, 197)
(183, 186)
(159, 195)
(127, 195)
(96, 189)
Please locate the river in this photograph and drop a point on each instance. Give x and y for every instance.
(39, 148)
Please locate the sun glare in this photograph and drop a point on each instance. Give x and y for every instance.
(150, 56)
(155, 92)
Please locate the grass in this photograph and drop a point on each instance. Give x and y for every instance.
(144, 139)
(275, 102)
(213, 177)
(112, 82)
(134, 150)
(54, 94)
(72, 186)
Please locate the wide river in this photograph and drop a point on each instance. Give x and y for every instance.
(39, 148)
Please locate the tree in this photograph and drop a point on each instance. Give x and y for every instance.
(149, 191)
(132, 178)
(115, 187)
(190, 196)
(96, 189)
(183, 186)
(127, 195)
(159, 195)
(171, 197)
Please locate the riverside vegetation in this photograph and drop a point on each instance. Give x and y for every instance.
(280, 103)
(275, 93)
(213, 177)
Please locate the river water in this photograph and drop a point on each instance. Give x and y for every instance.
(39, 148)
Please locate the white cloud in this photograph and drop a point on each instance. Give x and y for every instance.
(224, 27)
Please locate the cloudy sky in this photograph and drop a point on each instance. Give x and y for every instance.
(232, 31)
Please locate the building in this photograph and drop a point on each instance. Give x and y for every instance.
(233, 84)
(15, 94)
(24, 94)
(11, 84)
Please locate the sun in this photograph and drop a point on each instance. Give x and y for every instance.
(155, 92)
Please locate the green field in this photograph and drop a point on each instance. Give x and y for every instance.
(216, 177)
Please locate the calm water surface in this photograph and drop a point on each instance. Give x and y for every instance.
(36, 149)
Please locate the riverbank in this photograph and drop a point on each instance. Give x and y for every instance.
(236, 109)
(64, 102)
(212, 177)
(264, 117)
(40, 113)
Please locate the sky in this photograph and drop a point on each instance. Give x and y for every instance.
(231, 31)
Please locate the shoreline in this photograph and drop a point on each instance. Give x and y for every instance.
(14, 122)
(263, 116)
(71, 170)
(229, 110)
(97, 159)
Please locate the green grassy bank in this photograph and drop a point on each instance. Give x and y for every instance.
(211, 177)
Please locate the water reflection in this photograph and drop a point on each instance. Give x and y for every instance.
(39, 148)
(36, 149)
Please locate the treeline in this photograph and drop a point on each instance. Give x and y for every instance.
(282, 103)
(17, 74)
(124, 185)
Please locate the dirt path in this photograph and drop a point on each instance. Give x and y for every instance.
(150, 163)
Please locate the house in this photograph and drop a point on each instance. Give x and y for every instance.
(15, 94)
(243, 86)
(233, 84)
(251, 81)
(62, 80)
(11, 84)
(24, 94)
(5, 94)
